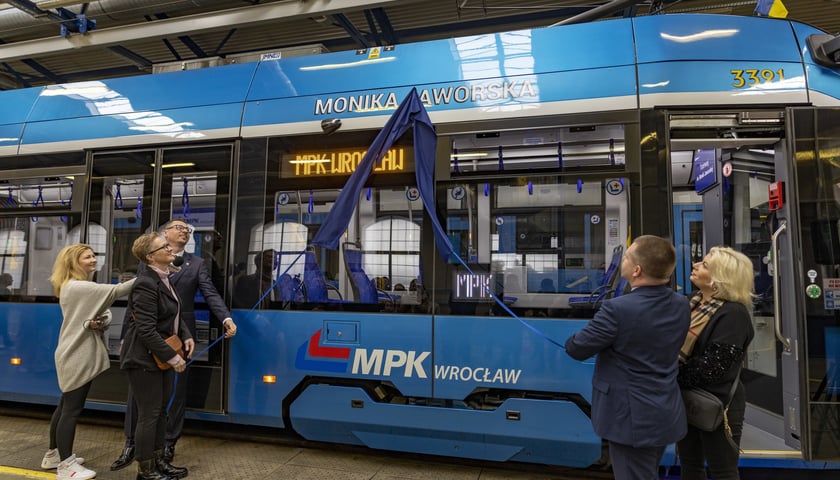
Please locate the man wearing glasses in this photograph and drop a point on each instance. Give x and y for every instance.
(192, 276)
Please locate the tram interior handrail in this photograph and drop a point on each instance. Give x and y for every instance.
(776, 305)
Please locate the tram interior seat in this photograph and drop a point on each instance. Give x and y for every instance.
(317, 289)
(612, 284)
(364, 288)
(291, 289)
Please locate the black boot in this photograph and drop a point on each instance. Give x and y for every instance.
(166, 468)
(125, 458)
(146, 471)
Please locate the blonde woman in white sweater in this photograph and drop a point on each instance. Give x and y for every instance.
(81, 353)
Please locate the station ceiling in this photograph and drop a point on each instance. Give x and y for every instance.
(56, 41)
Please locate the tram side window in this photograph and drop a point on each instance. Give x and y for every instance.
(547, 246)
(376, 269)
(36, 221)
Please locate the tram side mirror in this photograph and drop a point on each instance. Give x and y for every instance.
(330, 125)
(825, 49)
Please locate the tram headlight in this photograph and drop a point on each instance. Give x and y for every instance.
(15, 361)
(269, 379)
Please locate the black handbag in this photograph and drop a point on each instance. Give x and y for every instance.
(705, 411)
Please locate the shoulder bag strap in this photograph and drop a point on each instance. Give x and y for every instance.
(734, 387)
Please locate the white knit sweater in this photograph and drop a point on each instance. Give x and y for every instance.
(81, 354)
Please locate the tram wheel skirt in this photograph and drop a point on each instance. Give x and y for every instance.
(523, 430)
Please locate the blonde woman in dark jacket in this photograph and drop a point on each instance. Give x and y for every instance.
(155, 315)
(711, 357)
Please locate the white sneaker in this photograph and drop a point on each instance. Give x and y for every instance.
(51, 460)
(70, 470)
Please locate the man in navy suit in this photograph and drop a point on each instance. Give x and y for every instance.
(636, 402)
(193, 276)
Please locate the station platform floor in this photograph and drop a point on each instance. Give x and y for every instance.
(23, 441)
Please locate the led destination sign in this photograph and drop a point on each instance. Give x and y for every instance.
(333, 162)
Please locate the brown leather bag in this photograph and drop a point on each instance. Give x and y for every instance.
(176, 345)
(173, 342)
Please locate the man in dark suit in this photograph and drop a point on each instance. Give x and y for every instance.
(192, 276)
(636, 402)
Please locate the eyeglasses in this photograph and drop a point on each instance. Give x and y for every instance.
(181, 228)
(165, 245)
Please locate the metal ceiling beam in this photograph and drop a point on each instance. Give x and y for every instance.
(135, 58)
(220, 20)
(68, 21)
(372, 26)
(33, 9)
(38, 68)
(385, 25)
(342, 21)
(597, 12)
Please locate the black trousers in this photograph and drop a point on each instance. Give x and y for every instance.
(699, 448)
(64, 420)
(152, 389)
(635, 463)
(174, 417)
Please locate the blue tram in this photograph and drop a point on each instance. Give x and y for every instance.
(555, 147)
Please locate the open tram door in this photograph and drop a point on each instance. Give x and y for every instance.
(806, 240)
(793, 239)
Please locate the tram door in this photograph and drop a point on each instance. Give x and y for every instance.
(134, 192)
(736, 212)
(779, 204)
(807, 239)
(733, 160)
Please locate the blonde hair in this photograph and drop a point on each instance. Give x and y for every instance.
(67, 266)
(731, 273)
(143, 244)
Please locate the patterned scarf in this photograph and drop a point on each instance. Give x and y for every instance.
(701, 313)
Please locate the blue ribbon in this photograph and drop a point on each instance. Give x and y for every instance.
(222, 336)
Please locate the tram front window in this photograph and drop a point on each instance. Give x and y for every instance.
(546, 246)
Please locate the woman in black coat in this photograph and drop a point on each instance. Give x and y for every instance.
(711, 358)
(154, 307)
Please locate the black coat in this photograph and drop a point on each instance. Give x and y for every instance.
(154, 308)
(192, 277)
(718, 352)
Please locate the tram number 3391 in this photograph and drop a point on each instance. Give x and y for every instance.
(751, 77)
